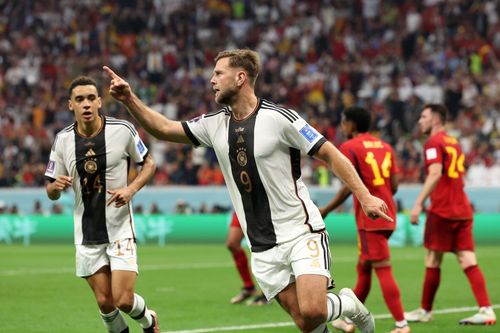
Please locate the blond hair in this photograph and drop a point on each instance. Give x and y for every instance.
(243, 58)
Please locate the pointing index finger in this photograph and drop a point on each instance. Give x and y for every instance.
(110, 72)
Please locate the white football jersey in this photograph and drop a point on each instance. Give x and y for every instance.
(98, 164)
(260, 159)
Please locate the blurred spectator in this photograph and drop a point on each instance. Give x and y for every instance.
(320, 56)
(57, 209)
(38, 208)
(182, 207)
(154, 209)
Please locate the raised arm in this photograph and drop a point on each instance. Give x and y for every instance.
(343, 168)
(156, 124)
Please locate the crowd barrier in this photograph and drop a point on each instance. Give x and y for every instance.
(212, 228)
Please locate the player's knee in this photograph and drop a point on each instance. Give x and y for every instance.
(232, 246)
(312, 317)
(124, 302)
(105, 303)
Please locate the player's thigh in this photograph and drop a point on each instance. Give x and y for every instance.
(123, 284)
(287, 298)
(100, 283)
(311, 293)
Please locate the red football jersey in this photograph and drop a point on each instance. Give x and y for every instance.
(448, 199)
(375, 162)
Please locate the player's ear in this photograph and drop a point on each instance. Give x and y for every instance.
(70, 105)
(241, 78)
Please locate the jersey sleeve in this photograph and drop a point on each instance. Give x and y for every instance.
(432, 152)
(198, 130)
(300, 135)
(136, 148)
(55, 166)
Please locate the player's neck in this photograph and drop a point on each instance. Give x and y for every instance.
(244, 106)
(437, 129)
(89, 129)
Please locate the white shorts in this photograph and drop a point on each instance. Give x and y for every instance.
(119, 255)
(276, 268)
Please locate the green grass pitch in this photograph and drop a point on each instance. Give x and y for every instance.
(190, 287)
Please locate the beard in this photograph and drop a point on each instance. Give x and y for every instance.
(227, 97)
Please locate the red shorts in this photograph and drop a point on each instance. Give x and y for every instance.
(374, 244)
(235, 223)
(445, 235)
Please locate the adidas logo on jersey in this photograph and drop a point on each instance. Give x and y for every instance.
(90, 153)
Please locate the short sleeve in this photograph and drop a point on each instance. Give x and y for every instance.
(303, 136)
(55, 166)
(432, 152)
(198, 129)
(136, 148)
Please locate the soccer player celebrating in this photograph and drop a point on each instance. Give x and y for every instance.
(448, 226)
(92, 156)
(258, 145)
(376, 165)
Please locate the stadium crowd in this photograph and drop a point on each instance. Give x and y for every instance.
(390, 56)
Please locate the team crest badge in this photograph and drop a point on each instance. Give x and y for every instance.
(242, 158)
(90, 166)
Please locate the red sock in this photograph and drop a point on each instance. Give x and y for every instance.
(390, 291)
(364, 282)
(431, 284)
(478, 285)
(241, 261)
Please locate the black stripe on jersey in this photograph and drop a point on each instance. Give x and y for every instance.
(296, 173)
(190, 134)
(295, 163)
(111, 121)
(326, 250)
(260, 229)
(316, 146)
(287, 113)
(91, 161)
(225, 110)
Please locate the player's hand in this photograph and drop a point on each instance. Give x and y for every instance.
(375, 207)
(118, 88)
(415, 214)
(120, 197)
(62, 183)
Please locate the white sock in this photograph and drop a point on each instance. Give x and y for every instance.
(348, 306)
(401, 323)
(140, 312)
(321, 329)
(114, 321)
(334, 307)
